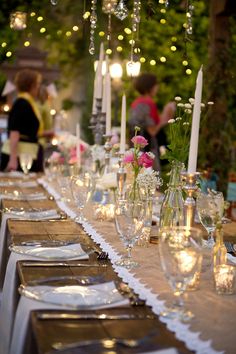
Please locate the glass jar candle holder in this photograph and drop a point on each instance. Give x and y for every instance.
(224, 276)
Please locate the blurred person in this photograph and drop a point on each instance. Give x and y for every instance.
(44, 108)
(145, 115)
(25, 125)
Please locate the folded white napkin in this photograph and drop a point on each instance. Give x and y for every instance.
(34, 215)
(22, 184)
(97, 296)
(231, 258)
(18, 196)
(73, 251)
(163, 351)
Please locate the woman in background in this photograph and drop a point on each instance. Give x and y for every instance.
(24, 124)
(145, 115)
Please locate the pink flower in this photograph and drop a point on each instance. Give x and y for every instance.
(55, 156)
(129, 157)
(146, 160)
(139, 140)
(73, 160)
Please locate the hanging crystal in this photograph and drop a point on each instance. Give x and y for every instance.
(135, 26)
(189, 14)
(93, 26)
(54, 2)
(121, 10)
(108, 6)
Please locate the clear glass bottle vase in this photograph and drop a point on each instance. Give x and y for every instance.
(172, 208)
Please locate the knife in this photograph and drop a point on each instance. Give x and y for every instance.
(66, 316)
(61, 264)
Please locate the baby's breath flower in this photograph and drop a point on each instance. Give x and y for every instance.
(180, 105)
(191, 100)
(188, 111)
(203, 105)
(187, 105)
(149, 181)
(178, 118)
(178, 98)
(171, 121)
(210, 103)
(186, 123)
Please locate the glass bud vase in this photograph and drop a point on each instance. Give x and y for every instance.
(172, 208)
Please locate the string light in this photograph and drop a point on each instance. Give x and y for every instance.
(153, 62)
(86, 15)
(185, 62)
(75, 28)
(108, 51)
(120, 37)
(101, 33)
(4, 44)
(40, 18)
(32, 14)
(27, 43)
(68, 33)
(42, 30)
(127, 30)
(162, 21)
(188, 71)
(8, 54)
(142, 60)
(119, 49)
(163, 59)
(173, 48)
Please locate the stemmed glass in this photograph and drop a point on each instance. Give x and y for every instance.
(180, 251)
(129, 220)
(210, 208)
(26, 161)
(80, 186)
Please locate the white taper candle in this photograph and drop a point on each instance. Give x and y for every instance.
(123, 125)
(193, 150)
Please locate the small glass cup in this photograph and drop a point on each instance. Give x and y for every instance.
(224, 276)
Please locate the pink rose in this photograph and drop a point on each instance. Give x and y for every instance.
(73, 160)
(146, 160)
(129, 157)
(139, 140)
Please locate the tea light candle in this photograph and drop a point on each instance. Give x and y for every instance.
(186, 260)
(224, 279)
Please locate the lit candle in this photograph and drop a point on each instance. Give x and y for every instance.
(224, 279)
(186, 260)
(98, 76)
(108, 103)
(78, 153)
(123, 125)
(193, 150)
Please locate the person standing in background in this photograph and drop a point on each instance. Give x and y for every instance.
(25, 125)
(44, 108)
(145, 115)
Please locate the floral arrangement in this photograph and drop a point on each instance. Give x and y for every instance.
(180, 130)
(138, 160)
(148, 181)
(67, 145)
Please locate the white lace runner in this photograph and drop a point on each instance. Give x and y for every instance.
(182, 331)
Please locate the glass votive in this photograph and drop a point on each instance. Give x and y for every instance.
(224, 279)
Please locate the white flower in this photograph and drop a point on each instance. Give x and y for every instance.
(162, 150)
(188, 111)
(186, 123)
(98, 153)
(203, 105)
(191, 100)
(149, 181)
(187, 105)
(107, 181)
(178, 118)
(210, 103)
(180, 105)
(171, 121)
(178, 98)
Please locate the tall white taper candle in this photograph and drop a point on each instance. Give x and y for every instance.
(193, 150)
(123, 125)
(98, 76)
(108, 103)
(78, 152)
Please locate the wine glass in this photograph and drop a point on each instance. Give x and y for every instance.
(180, 251)
(26, 161)
(129, 219)
(80, 186)
(210, 208)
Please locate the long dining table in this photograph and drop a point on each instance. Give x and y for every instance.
(32, 326)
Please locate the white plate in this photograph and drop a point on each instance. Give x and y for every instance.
(73, 251)
(76, 296)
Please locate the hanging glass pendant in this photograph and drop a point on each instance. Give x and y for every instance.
(18, 20)
(121, 10)
(108, 6)
(54, 2)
